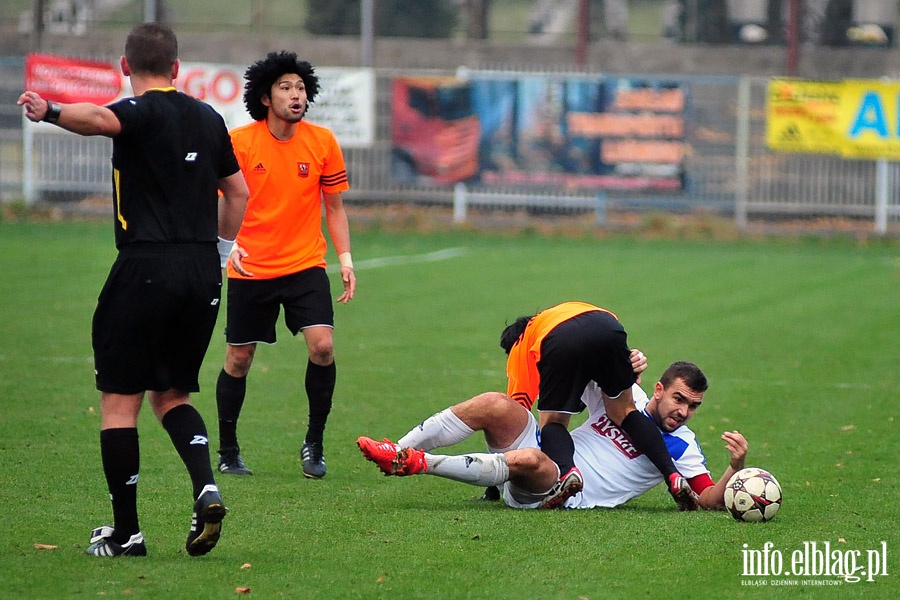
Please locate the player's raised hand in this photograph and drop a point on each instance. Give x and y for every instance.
(737, 445)
(35, 106)
(638, 363)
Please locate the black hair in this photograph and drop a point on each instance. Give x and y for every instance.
(151, 49)
(688, 372)
(263, 74)
(513, 332)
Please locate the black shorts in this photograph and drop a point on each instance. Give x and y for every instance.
(154, 318)
(254, 305)
(589, 346)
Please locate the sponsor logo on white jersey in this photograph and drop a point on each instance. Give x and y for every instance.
(605, 427)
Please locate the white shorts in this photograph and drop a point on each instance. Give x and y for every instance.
(513, 496)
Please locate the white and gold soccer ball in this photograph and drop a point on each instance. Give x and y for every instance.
(753, 495)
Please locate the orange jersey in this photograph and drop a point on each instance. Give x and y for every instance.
(282, 228)
(521, 366)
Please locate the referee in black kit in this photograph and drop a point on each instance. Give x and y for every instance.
(157, 310)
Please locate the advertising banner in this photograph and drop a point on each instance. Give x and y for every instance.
(853, 118)
(345, 103)
(570, 132)
(72, 80)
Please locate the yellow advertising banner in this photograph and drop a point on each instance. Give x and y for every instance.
(854, 118)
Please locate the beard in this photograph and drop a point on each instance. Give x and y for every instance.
(290, 116)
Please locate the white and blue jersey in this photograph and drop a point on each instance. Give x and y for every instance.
(614, 470)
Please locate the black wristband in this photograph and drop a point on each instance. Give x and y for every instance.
(53, 112)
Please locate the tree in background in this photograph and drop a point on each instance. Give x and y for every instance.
(333, 17)
(393, 18)
(712, 22)
(838, 19)
(477, 13)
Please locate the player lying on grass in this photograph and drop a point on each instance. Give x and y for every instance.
(613, 471)
(553, 356)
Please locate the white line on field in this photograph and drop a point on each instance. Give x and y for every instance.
(388, 261)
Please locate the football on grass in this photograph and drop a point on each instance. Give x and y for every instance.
(753, 495)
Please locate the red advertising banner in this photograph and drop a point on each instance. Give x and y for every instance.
(345, 103)
(71, 79)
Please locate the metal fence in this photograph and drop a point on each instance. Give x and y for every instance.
(11, 77)
(729, 169)
(776, 185)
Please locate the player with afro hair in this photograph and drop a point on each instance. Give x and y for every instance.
(263, 74)
(296, 174)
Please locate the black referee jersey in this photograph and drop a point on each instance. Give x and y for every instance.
(167, 161)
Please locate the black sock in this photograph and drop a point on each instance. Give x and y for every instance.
(319, 390)
(646, 437)
(558, 445)
(230, 393)
(188, 434)
(120, 453)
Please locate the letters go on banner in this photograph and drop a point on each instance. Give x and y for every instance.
(854, 118)
(344, 105)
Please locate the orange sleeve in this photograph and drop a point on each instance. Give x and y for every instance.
(522, 385)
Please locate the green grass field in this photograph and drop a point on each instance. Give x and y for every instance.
(797, 336)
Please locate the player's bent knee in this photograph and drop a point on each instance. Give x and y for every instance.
(322, 355)
(531, 459)
(496, 403)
